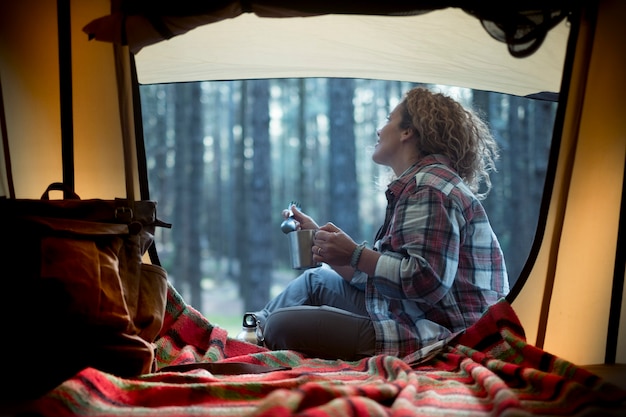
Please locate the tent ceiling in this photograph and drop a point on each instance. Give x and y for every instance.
(440, 47)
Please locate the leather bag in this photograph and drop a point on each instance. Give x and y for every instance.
(75, 290)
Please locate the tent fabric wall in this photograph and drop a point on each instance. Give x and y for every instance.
(29, 69)
(573, 273)
(583, 281)
(424, 48)
(521, 24)
(31, 94)
(432, 44)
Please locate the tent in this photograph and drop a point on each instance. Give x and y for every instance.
(58, 69)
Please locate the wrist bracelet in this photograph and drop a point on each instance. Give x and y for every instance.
(356, 255)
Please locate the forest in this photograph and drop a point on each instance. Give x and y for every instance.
(225, 158)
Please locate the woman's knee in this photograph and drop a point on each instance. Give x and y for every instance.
(323, 332)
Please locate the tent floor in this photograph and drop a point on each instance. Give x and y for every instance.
(615, 373)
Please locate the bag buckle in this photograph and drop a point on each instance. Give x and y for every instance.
(124, 214)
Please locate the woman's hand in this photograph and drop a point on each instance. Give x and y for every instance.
(333, 246)
(303, 222)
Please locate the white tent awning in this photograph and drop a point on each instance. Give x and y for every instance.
(440, 47)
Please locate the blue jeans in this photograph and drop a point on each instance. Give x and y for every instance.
(320, 315)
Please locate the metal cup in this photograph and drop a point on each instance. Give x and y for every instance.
(300, 244)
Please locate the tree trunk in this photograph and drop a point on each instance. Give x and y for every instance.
(258, 280)
(188, 178)
(342, 190)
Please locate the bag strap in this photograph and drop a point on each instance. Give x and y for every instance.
(68, 193)
(5, 146)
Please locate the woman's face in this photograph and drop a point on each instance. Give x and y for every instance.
(388, 146)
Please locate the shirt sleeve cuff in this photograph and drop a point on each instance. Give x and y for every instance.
(387, 266)
(359, 277)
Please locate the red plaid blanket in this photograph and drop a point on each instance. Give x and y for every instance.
(488, 370)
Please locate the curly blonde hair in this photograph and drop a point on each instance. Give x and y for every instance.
(443, 126)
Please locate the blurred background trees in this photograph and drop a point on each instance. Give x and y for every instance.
(226, 157)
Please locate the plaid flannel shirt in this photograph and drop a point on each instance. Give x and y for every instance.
(441, 263)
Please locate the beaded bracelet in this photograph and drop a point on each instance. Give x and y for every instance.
(356, 255)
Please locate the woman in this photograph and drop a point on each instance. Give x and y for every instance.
(436, 264)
